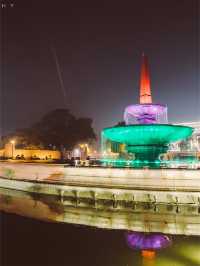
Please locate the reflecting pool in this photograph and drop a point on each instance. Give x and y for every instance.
(41, 230)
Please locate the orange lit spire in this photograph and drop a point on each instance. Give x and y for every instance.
(145, 88)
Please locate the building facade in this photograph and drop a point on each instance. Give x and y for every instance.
(10, 151)
(190, 147)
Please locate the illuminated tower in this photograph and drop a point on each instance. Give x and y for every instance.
(145, 86)
(145, 112)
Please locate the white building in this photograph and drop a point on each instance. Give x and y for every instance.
(190, 146)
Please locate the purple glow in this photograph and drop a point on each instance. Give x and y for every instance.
(145, 114)
(142, 241)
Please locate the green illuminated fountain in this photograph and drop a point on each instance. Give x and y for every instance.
(146, 133)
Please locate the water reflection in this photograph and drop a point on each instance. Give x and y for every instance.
(170, 218)
(148, 244)
(179, 250)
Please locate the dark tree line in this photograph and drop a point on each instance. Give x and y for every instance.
(58, 128)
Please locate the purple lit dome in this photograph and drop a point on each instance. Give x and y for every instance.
(145, 114)
(143, 241)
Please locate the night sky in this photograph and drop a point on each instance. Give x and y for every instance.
(98, 46)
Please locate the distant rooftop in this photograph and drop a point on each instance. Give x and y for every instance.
(195, 124)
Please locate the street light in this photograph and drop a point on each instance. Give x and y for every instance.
(13, 144)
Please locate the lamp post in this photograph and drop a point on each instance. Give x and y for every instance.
(13, 145)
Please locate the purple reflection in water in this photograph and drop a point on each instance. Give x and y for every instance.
(142, 241)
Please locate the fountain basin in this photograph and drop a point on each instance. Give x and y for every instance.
(150, 134)
(147, 141)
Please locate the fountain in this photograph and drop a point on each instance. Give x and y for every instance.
(146, 133)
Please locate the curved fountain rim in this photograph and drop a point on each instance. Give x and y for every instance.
(147, 125)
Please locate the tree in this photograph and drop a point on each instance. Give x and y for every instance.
(57, 128)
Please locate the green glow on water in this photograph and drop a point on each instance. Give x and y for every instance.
(154, 134)
(120, 162)
(164, 261)
(131, 163)
(191, 253)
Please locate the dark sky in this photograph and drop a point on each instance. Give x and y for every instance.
(99, 46)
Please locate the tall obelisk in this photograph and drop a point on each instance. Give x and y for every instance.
(145, 87)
